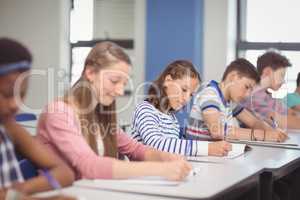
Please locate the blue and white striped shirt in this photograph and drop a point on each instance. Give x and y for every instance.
(161, 131)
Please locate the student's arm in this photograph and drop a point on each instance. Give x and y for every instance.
(71, 144)
(212, 118)
(286, 121)
(296, 109)
(252, 121)
(32, 150)
(137, 151)
(146, 124)
(3, 193)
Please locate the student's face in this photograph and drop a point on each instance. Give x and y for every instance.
(241, 88)
(179, 91)
(110, 82)
(277, 78)
(12, 93)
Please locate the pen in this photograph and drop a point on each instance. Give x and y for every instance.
(274, 123)
(51, 180)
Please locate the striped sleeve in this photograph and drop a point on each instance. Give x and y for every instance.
(147, 125)
(207, 99)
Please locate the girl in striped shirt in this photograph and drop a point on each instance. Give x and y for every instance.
(154, 122)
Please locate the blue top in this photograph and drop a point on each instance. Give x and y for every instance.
(292, 99)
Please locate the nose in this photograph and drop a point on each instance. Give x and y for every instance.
(185, 98)
(119, 89)
(13, 105)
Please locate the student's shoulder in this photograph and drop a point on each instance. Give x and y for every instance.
(145, 105)
(206, 92)
(58, 109)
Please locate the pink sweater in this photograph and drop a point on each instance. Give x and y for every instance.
(59, 129)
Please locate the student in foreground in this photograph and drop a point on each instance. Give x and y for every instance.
(81, 126)
(271, 68)
(216, 106)
(293, 99)
(15, 63)
(154, 122)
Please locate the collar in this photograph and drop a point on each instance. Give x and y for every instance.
(215, 85)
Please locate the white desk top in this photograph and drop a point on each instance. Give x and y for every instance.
(91, 194)
(215, 178)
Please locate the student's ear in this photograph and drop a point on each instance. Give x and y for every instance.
(267, 71)
(90, 74)
(233, 76)
(167, 80)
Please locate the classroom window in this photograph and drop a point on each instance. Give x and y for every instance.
(268, 24)
(94, 21)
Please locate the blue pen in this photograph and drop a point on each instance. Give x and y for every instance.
(51, 180)
(274, 123)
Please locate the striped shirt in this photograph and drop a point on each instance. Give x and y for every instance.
(161, 131)
(210, 97)
(9, 167)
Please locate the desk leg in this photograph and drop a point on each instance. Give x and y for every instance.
(266, 186)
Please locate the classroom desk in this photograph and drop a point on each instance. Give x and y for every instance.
(262, 166)
(90, 194)
(213, 180)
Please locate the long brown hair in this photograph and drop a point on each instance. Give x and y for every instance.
(178, 69)
(96, 118)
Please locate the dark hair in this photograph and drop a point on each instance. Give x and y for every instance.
(12, 51)
(244, 68)
(177, 69)
(298, 80)
(271, 59)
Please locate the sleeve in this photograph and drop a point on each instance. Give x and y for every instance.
(237, 110)
(207, 99)
(146, 124)
(266, 104)
(67, 139)
(130, 147)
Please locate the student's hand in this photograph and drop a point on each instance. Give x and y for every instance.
(217, 135)
(176, 170)
(276, 136)
(2, 193)
(219, 148)
(165, 156)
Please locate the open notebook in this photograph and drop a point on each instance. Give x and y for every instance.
(290, 143)
(237, 150)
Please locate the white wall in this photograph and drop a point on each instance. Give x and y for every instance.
(127, 104)
(42, 25)
(219, 37)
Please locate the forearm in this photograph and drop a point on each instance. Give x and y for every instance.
(123, 169)
(293, 122)
(152, 154)
(62, 174)
(246, 134)
(262, 125)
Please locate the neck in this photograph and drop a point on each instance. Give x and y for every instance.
(224, 89)
(298, 90)
(264, 82)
